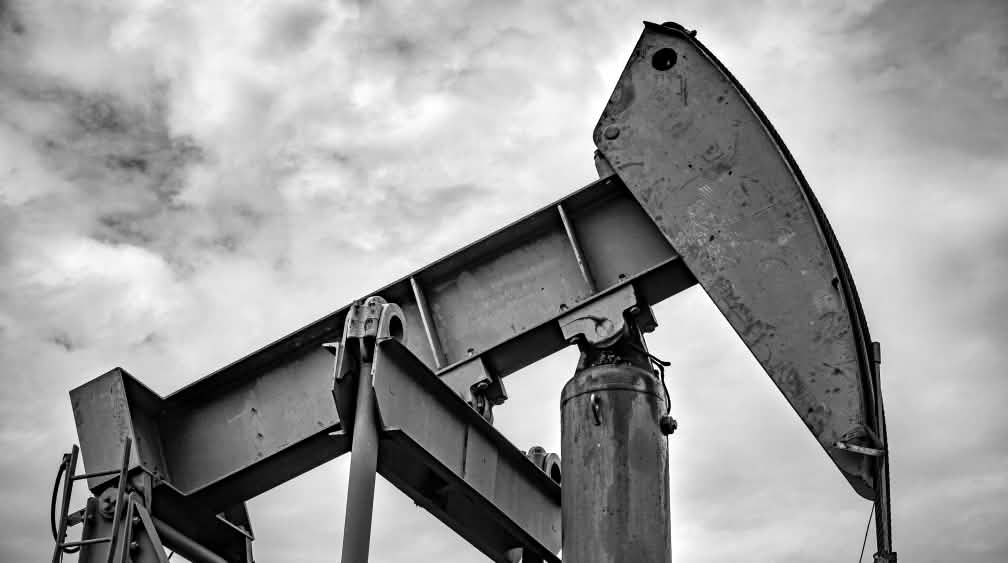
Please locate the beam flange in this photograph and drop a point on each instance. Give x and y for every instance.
(448, 459)
(493, 307)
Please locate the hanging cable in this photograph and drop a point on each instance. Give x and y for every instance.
(52, 506)
(660, 365)
(867, 527)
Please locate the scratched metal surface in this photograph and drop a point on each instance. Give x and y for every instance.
(710, 171)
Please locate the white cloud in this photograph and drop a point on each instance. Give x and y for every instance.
(180, 184)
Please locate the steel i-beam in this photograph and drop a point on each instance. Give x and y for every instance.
(698, 188)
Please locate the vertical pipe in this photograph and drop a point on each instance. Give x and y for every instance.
(614, 457)
(120, 499)
(883, 515)
(65, 504)
(428, 323)
(576, 246)
(363, 466)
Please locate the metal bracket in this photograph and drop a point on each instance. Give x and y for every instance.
(547, 462)
(863, 450)
(475, 385)
(603, 321)
(368, 321)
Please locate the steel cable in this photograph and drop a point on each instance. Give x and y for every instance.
(867, 527)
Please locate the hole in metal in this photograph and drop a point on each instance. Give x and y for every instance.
(664, 59)
(396, 328)
(554, 473)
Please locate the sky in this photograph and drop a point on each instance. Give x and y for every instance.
(181, 183)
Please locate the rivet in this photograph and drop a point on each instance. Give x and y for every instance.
(611, 132)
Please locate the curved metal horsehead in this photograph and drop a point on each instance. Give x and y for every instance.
(709, 169)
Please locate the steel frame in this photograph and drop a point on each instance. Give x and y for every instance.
(471, 319)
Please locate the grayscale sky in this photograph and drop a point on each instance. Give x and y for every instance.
(183, 182)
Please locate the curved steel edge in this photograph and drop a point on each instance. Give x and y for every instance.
(846, 278)
(864, 484)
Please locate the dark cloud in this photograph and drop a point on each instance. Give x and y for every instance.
(943, 67)
(292, 28)
(10, 22)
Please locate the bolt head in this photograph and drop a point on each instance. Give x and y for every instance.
(611, 132)
(107, 502)
(667, 424)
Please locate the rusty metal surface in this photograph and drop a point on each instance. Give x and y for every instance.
(708, 168)
(268, 417)
(527, 270)
(615, 467)
(210, 440)
(449, 460)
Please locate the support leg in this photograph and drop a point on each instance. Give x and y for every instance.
(363, 468)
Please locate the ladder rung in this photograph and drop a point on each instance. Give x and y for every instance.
(97, 474)
(86, 542)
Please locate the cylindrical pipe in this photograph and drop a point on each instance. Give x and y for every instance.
(614, 457)
(363, 467)
(184, 545)
(883, 516)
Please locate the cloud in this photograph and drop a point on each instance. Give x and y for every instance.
(180, 184)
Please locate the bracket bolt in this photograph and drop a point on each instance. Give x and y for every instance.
(133, 546)
(667, 424)
(611, 132)
(107, 502)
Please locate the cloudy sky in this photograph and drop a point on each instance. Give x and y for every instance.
(181, 183)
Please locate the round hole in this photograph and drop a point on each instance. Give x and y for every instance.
(554, 473)
(664, 59)
(396, 328)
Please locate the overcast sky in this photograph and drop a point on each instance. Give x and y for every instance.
(181, 183)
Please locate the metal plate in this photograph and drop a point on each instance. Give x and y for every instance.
(709, 169)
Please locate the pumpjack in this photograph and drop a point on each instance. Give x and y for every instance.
(696, 188)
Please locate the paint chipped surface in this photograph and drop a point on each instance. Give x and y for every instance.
(723, 191)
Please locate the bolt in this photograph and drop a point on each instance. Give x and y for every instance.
(611, 132)
(134, 546)
(667, 424)
(136, 520)
(107, 502)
